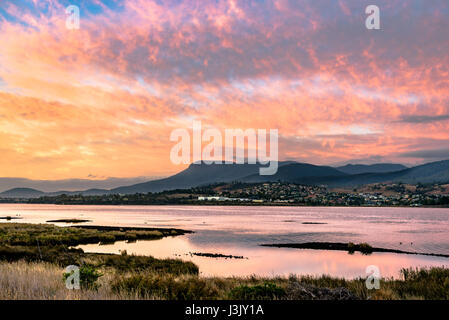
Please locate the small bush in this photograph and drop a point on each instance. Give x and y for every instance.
(89, 276)
(365, 248)
(351, 247)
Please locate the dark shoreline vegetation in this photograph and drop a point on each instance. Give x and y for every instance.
(350, 247)
(68, 221)
(193, 202)
(314, 222)
(264, 194)
(9, 218)
(41, 252)
(216, 255)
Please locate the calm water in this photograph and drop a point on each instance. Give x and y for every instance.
(239, 231)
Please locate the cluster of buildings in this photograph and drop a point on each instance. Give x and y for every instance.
(278, 192)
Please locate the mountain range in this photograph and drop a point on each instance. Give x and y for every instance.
(289, 171)
(70, 184)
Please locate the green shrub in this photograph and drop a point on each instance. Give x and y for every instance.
(365, 248)
(426, 283)
(89, 276)
(351, 247)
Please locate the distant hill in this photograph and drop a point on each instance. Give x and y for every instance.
(293, 172)
(21, 193)
(69, 185)
(201, 174)
(196, 175)
(372, 168)
(434, 172)
(89, 192)
(302, 173)
(429, 172)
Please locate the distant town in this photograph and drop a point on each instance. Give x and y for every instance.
(269, 193)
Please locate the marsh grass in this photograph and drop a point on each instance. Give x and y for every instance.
(166, 287)
(267, 291)
(126, 263)
(49, 243)
(432, 283)
(23, 234)
(41, 280)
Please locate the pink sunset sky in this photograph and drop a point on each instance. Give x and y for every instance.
(102, 100)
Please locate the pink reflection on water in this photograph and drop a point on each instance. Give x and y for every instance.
(239, 231)
(271, 261)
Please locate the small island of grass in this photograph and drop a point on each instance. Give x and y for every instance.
(216, 255)
(307, 222)
(9, 218)
(68, 221)
(350, 247)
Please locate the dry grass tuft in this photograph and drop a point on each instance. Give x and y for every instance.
(43, 281)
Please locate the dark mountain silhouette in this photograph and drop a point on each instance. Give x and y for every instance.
(427, 173)
(434, 172)
(196, 175)
(372, 168)
(90, 192)
(297, 172)
(69, 185)
(201, 174)
(22, 193)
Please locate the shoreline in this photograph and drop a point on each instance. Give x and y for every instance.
(349, 247)
(223, 204)
(170, 231)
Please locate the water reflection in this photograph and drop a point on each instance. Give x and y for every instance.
(239, 230)
(270, 261)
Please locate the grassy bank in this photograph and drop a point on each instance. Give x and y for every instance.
(24, 234)
(52, 244)
(40, 280)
